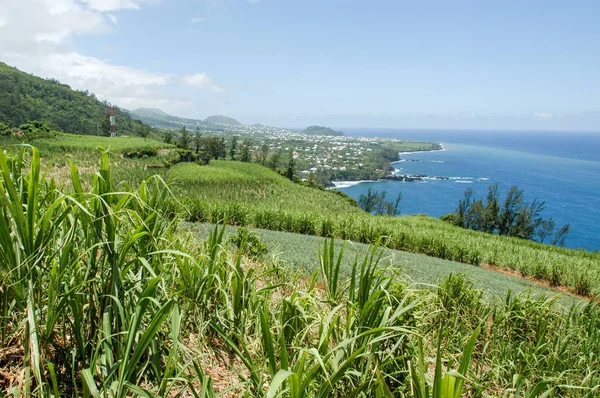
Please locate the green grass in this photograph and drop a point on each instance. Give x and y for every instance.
(71, 142)
(248, 194)
(103, 295)
(248, 184)
(299, 252)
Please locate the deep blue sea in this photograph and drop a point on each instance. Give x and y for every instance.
(562, 169)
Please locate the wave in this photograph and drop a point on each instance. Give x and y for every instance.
(346, 184)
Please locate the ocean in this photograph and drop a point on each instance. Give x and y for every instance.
(562, 169)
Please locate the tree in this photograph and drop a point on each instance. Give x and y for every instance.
(5, 129)
(510, 211)
(168, 137)
(105, 124)
(232, 148)
(291, 168)
(245, 155)
(492, 209)
(141, 130)
(545, 230)
(215, 147)
(369, 201)
(516, 217)
(184, 139)
(561, 235)
(261, 154)
(273, 162)
(374, 201)
(197, 142)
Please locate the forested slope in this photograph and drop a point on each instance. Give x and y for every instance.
(25, 97)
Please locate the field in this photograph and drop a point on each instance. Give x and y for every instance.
(245, 194)
(251, 185)
(300, 252)
(73, 142)
(103, 295)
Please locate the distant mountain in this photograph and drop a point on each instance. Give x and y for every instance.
(219, 119)
(320, 130)
(158, 118)
(25, 97)
(150, 112)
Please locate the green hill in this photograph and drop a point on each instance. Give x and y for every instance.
(220, 119)
(25, 97)
(320, 130)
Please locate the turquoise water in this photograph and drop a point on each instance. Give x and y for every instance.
(561, 169)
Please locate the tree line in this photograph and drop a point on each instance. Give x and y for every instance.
(204, 148)
(514, 216)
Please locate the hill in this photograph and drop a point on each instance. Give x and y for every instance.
(219, 119)
(321, 130)
(157, 118)
(25, 97)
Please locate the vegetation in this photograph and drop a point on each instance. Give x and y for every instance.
(513, 217)
(101, 296)
(374, 202)
(250, 195)
(25, 98)
(320, 130)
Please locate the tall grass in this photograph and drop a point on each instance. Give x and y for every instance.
(102, 297)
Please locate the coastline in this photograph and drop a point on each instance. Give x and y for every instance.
(350, 183)
(424, 150)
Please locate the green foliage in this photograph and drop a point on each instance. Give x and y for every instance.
(184, 140)
(5, 130)
(102, 295)
(245, 154)
(33, 130)
(374, 202)
(249, 243)
(515, 217)
(168, 139)
(25, 97)
(320, 130)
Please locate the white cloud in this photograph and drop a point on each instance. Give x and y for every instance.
(112, 18)
(44, 49)
(197, 20)
(114, 5)
(199, 80)
(542, 115)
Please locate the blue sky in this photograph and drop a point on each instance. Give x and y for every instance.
(427, 64)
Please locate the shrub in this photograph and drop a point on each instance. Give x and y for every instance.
(142, 152)
(249, 243)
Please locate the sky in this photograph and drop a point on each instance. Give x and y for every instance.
(476, 64)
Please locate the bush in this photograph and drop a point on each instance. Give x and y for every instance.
(34, 129)
(249, 243)
(5, 130)
(142, 152)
